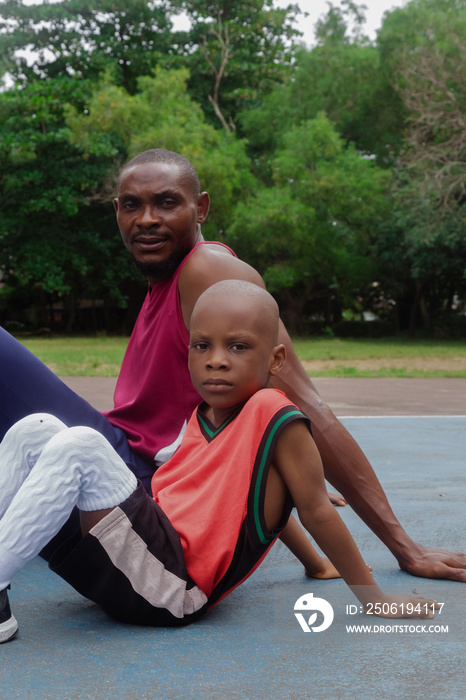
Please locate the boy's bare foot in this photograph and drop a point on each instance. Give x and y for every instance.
(327, 571)
(336, 499)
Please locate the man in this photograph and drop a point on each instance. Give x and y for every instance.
(160, 209)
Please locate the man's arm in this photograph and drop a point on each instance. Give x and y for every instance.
(297, 461)
(348, 470)
(345, 465)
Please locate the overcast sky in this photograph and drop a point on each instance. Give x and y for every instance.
(317, 8)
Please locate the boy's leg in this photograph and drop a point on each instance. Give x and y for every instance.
(77, 467)
(20, 449)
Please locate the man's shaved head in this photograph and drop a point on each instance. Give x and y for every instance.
(164, 157)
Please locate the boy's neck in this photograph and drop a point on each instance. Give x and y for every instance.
(219, 416)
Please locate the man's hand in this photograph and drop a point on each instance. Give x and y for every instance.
(430, 562)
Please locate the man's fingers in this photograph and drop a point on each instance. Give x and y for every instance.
(440, 570)
(454, 574)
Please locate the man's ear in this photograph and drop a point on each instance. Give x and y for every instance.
(278, 359)
(203, 206)
(115, 205)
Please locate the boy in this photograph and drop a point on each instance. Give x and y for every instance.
(246, 458)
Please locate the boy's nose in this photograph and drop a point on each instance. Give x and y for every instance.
(217, 360)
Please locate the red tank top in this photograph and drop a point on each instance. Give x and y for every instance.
(154, 396)
(213, 489)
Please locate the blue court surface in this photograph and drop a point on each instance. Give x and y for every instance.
(251, 645)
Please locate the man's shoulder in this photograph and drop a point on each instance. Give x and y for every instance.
(208, 264)
(209, 249)
(214, 261)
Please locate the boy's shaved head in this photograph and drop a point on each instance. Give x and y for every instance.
(253, 299)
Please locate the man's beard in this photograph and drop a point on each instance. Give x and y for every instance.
(157, 272)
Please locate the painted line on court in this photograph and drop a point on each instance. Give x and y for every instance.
(403, 415)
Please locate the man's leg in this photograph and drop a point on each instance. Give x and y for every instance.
(28, 386)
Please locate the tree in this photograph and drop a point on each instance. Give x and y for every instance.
(341, 76)
(432, 85)
(83, 39)
(236, 51)
(311, 233)
(424, 247)
(55, 238)
(60, 152)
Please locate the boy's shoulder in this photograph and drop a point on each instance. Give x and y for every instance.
(269, 398)
(273, 409)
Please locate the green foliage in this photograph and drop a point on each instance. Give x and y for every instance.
(342, 76)
(236, 53)
(340, 172)
(312, 231)
(54, 237)
(84, 38)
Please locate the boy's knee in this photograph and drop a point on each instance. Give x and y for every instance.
(78, 437)
(43, 423)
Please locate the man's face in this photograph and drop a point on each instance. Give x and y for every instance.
(158, 215)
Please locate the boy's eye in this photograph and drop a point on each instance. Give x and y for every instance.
(199, 346)
(239, 347)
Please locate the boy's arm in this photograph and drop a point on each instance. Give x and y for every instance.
(298, 462)
(348, 470)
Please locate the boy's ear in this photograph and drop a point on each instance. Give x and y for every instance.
(278, 359)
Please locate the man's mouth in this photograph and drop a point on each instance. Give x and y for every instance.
(150, 243)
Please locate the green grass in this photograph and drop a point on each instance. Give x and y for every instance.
(387, 357)
(327, 357)
(79, 357)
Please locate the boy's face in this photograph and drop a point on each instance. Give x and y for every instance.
(232, 352)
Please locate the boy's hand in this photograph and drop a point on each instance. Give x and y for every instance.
(396, 606)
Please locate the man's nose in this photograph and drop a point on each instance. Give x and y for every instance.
(148, 216)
